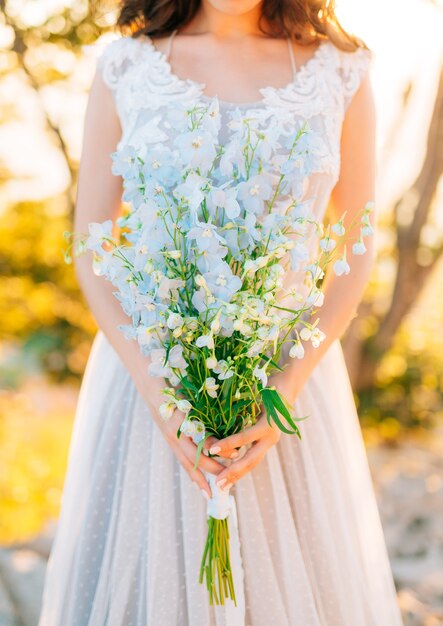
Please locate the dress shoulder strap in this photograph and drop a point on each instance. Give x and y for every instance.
(169, 45)
(291, 56)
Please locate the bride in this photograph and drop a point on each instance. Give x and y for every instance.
(133, 523)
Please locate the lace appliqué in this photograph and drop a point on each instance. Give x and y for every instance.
(142, 79)
(352, 69)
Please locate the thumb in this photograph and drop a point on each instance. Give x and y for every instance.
(227, 447)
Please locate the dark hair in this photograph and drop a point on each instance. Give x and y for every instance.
(303, 20)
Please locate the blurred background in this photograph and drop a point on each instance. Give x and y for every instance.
(394, 348)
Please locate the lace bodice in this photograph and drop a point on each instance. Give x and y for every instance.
(143, 84)
(148, 95)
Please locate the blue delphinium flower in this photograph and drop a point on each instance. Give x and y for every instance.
(160, 164)
(221, 282)
(254, 192)
(206, 237)
(197, 149)
(125, 163)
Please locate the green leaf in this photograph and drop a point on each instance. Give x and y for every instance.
(283, 428)
(273, 403)
(227, 386)
(199, 449)
(300, 419)
(269, 407)
(273, 363)
(188, 385)
(279, 404)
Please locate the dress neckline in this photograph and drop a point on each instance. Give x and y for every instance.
(303, 71)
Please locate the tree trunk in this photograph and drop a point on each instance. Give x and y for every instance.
(363, 356)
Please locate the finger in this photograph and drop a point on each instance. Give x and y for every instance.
(210, 441)
(226, 446)
(230, 475)
(205, 463)
(198, 478)
(196, 475)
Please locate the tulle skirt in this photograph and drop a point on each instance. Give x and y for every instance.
(133, 526)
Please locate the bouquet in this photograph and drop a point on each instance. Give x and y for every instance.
(200, 263)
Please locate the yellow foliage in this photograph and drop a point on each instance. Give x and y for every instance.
(35, 429)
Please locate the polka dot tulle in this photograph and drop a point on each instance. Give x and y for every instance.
(133, 525)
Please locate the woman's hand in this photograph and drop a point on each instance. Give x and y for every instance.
(186, 451)
(261, 435)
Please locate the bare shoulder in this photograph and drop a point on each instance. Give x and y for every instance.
(361, 109)
(101, 113)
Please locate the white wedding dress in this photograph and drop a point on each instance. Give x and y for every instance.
(133, 526)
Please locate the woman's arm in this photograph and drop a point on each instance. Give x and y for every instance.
(98, 199)
(355, 187)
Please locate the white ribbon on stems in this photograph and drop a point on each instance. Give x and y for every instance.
(221, 506)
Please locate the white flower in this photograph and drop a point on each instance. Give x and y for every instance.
(194, 429)
(215, 324)
(205, 341)
(338, 229)
(187, 427)
(210, 386)
(317, 337)
(211, 362)
(166, 409)
(157, 367)
(223, 370)
(177, 332)
(184, 406)
(255, 348)
(315, 298)
(260, 373)
(174, 254)
(316, 272)
(297, 351)
(252, 266)
(268, 334)
(98, 234)
(243, 327)
(226, 198)
(174, 321)
(342, 266)
(359, 247)
(367, 229)
(327, 244)
(199, 432)
(305, 333)
(176, 359)
(191, 323)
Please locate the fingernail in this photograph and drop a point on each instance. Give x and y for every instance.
(234, 455)
(227, 487)
(205, 494)
(221, 482)
(214, 449)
